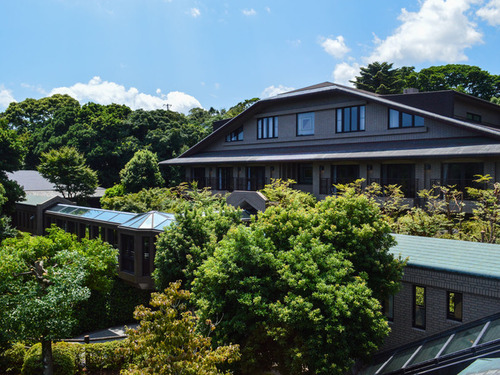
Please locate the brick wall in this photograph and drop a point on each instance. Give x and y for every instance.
(481, 298)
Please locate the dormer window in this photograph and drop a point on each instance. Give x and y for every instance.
(474, 117)
(235, 136)
(398, 119)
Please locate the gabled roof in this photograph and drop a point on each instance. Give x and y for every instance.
(328, 88)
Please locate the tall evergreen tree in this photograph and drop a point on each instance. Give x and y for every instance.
(379, 78)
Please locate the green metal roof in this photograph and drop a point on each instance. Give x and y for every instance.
(472, 258)
(35, 200)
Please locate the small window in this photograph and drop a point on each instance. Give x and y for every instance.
(305, 174)
(474, 117)
(419, 306)
(399, 119)
(305, 123)
(235, 136)
(351, 119)
(454, 303)
(388, 307)
(267, 127)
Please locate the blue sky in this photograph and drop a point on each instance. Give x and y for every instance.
(211, 53)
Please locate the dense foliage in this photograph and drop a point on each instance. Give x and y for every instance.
(141, 172)
(42, 280)
(297, 289)
(381, 78)
(166, 341)
(66, 168)
(108, 135)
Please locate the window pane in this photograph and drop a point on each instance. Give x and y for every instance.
(393, 119)
(419, 121)
(276, 127)
(305, 123)
(347, 119)
(259, 129)
(492, 333)
(354, 119)
(406, 120)
(339, 121)
(419, 307)
(265, 128)
(463, 339)
(240, 135)
(454, 305)
(429, 350)
(362, 117)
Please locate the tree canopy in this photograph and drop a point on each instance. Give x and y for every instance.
(67, 170)
(141, 172)
(381, 78)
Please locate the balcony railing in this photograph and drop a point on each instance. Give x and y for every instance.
(409, 186)
(230, 184)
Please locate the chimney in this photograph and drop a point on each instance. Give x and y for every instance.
(410, 90)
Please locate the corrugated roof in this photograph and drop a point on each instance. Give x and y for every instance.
(472, 258)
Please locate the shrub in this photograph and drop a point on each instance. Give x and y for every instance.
(65, 355)
(11, 360)
(103, 356)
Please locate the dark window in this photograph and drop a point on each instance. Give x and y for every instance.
(454, 302)
(198, 174)
(127, 252)
(419, 306)
(305, 123)
(473, 117)
(235, 136)
(267, 127)
(461, 175)
(402, 175)
(388, 307)
(305, 174)
(351, 119)
(146, 268)
(225, 178)
(398, 119)
(256, 178)
(344, 174)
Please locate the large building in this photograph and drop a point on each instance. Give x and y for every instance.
(327, 133)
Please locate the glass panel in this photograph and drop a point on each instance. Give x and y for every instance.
(354, 119)
(259, 128)
(91, 213)
(68, 209)
(492, 333)
(79, 211)
(362, 117)
(276, 127)
(393, 118)
(429, 350)
(240, 135)
(106, 215)
(148, 223)
(419, 121)
(347, 120)
(122, 218)
(164, 224)
(265, 128)
(56, 208)
(463, 340)
(399, 360)
(339, 121)
(406, 120)
(305, 123)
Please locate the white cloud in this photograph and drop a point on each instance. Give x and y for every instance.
(195, 12)
(490, 12)
(268, 10)
(104, 92)
(344, 72)
(335, 47)
(275, 90)
(249, 12)
(5, 97)
(439, 31)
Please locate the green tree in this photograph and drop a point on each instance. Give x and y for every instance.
(141, 172)
(6, 230)
(166, 341)
(298, 289)
(240, 107)
(12, 152)
(66, 169)
(42, 280)
(379, 78)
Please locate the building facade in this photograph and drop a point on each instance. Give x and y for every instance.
(327, 134)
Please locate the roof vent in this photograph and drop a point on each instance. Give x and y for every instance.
(410, 90)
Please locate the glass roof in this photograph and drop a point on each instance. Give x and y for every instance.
(461, 339)
(152, 220)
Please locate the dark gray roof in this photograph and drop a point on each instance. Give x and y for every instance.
(401, 153)
(323, 89)
(31, 180)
